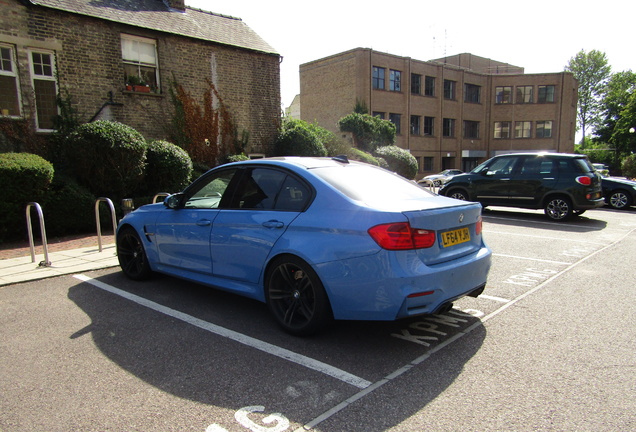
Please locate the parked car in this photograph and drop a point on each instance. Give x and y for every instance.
(315, 239)
(439, 179)
(602, 169)
(619, 193)
(562, 184)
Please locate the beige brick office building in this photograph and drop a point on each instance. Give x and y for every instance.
(449, 113)
(91, 49)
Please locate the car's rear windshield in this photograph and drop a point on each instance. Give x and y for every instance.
(373, 186)
(583, 165)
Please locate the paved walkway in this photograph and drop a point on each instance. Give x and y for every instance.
(65, 256)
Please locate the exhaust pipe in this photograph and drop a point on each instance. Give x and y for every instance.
(445, 307)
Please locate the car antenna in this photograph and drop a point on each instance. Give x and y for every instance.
(341, 158)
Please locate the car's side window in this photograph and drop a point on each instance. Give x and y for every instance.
(210, 192)
(502, 166)
(294, 195)
(259, 189)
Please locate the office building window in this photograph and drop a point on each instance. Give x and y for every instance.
(378, 78)
(546, 94)
(471, 129)
(396, 119)
(141, 69)
(428, 163)
(503, 95)
(502, 130)
(448, 128)
(544, 129)
(415, 125)
(524, 94)
(428, 126)
(45, 88)
(472, 93)
(395, 80)
(449, 89)
(429, 86)
(382, 115)
(9, 96)
(523, 129)
(416, 84)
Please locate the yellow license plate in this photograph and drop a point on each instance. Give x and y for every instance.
(452, 238)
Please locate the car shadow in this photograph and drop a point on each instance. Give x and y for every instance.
(200, 366)
(504, 216)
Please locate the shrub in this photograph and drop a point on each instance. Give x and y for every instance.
(237, 158)
(70, 209)
(628, 166)
(24, 178)
(369, 132)
(168, 168)
(297, 138)
(359, 155)
(107, 157)
(399, 160)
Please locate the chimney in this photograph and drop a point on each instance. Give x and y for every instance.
(176, 4)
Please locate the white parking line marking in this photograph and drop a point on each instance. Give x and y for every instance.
(235, 336)
(569, 240)
(531, 259)
(499, 299)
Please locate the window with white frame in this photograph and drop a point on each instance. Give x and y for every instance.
(523, 129)
(9, 95)
(141, 68)
(42, 64)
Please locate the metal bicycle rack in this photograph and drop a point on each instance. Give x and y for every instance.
(160, 194)
(46, 261)
(99, 227)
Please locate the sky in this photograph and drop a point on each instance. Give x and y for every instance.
(540, 36)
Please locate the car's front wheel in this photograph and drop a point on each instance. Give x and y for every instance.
(620, 200)
(296, 297)
(132, 255)
(558, 208)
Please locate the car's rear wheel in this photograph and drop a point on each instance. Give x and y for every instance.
(620, 200)
(132, 255)
(458, 194)
(296, 297)
(558, 208)
(437, 183)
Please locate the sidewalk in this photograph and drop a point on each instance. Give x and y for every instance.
(67, 255)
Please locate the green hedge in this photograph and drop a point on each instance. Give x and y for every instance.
(108, 158)
(168, 168)
(24, 178)
(399, 160)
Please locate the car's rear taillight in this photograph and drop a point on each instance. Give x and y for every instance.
(584, 180)
(400, 236)
(478, 226)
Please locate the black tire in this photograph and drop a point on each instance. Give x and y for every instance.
(558, 208)
(132, 255)
(437, 183)
(457, 194)
(619, 200)
(296, 297)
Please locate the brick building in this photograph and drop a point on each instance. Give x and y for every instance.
(450, 113)
(117, 58)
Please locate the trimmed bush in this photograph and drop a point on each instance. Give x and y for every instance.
(369, 132)
(70, 209)
(399, 160)
(359, 155)
(297, 138)
(168, 168)
(24, 178)
(107, 157)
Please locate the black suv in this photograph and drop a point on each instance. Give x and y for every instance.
(561, 184)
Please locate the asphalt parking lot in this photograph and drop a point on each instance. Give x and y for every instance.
(549, 346)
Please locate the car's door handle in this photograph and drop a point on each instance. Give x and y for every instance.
(204, 222)
(273, 224)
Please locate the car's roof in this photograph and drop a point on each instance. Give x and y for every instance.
(550, 154)
(302, 161)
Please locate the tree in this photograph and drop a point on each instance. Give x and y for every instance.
(623, 138)
(619, 88)
(592, 72)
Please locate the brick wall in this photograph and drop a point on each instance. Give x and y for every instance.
(89, 66)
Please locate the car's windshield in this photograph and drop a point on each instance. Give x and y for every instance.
(373, 186)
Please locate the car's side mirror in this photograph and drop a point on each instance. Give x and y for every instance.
(173, 201)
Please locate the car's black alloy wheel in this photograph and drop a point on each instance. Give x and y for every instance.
(558, 208)
(131, 255)
(296, 297)
(458, 194)
(619, 200)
